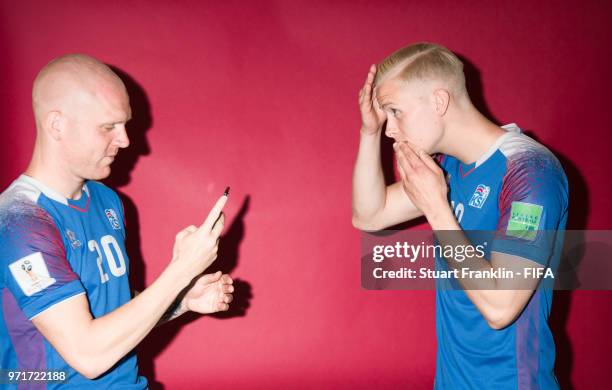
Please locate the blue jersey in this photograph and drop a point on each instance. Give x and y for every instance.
(519, 190)
(53, 249)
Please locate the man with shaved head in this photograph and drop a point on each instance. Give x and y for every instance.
(66, 311)
(492, 332)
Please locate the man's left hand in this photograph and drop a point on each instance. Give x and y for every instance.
(210, 293)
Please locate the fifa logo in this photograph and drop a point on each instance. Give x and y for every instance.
(480, 196)
(112, 218)
(31, 274)
(27, 267)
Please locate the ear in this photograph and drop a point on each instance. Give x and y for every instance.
(441, 101)
(55, 125)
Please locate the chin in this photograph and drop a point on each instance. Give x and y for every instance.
(100, 175)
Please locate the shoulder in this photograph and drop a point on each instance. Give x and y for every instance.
(527, 156)
(532, 172)
(530, 161)
(19, 210)
(25, 226)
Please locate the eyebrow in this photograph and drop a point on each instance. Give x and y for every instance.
(385, 103)
(116, 123)
(129, 118)
(380, 99)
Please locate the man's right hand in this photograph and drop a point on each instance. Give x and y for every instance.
(196, 247)
(372, 116)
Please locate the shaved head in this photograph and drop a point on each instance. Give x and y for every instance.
(71, 80)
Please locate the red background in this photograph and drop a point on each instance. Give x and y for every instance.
(262, 96)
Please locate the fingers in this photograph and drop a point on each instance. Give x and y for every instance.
(227, 279)
(415, 158)
(218, 227)
(224, 279)
(401, 171)
(365, 94)
(377, 107)
(431, 164)
(402, 160)
(210, 278)
(370, 77)
(214, 214)
(228, 298)
(410, 154)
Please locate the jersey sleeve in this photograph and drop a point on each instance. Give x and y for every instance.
(35, 268)
(532, 208)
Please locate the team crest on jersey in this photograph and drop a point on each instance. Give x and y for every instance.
(74, 242)
(31, 274)
(112, 218)
(480, 196)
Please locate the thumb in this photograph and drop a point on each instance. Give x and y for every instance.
(210, 278)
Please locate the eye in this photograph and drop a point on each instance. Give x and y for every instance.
(109, 127)
(394, 112)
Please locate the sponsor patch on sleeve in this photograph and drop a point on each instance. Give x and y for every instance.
(31, 273)
(524, 220)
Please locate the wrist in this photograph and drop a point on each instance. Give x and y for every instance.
(176, 309)
(179, 272)
(182, 307)
(442, 218)
(368, 131)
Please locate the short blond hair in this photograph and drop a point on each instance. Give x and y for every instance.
(425, 61)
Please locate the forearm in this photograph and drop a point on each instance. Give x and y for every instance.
(499, 300)
(449, 234)
(176, 309)
(114, 335)
(369, 189)
(483, 292)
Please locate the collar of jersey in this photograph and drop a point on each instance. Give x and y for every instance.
(81, 204)
(466, 169)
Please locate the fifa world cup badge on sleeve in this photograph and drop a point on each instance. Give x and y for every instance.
(31, 274)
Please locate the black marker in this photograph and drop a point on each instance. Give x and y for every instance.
(226, 193)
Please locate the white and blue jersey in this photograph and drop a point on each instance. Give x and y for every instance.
(53, 249)
(517, 190)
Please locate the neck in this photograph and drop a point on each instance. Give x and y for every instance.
(52, 173)
(469, 135)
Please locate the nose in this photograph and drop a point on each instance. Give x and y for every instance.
(122, 140)
(391, 130)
